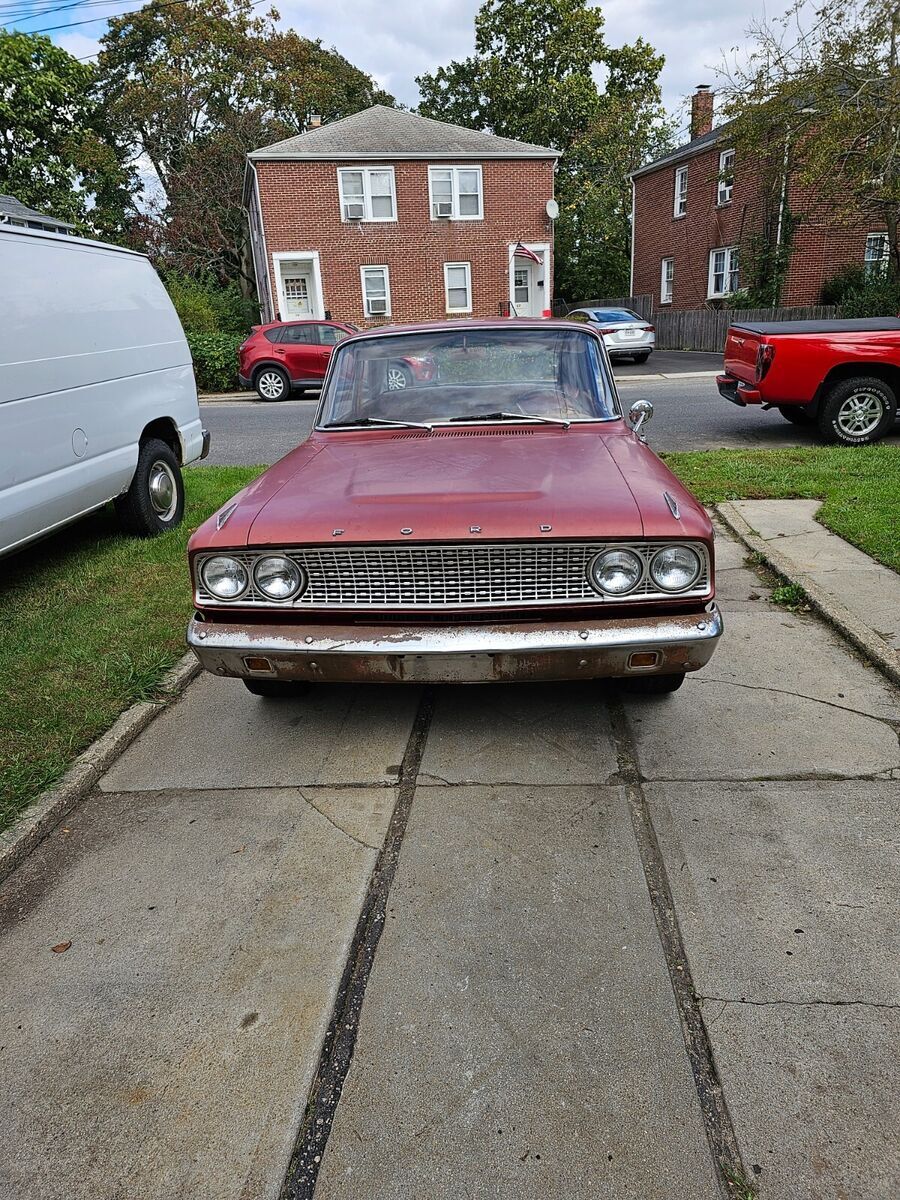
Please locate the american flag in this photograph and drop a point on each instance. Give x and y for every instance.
(523, 252)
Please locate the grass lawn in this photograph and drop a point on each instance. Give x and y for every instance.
(91, 621)
(860, 487)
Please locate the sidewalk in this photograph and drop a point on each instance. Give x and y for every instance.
(857, 594)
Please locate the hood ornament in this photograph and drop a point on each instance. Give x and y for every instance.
(406, 532)
(545, 528)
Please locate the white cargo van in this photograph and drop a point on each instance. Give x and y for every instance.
(97, 393)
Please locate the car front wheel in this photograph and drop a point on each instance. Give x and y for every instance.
(154, 502)
(275, 689)
(272, 384)
(857, 412)
(652, 685)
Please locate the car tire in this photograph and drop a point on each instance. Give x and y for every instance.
(276, 689)
(653, 685)
(154, 502)
(272, 384)
(857, 412)
(399, 377)
(798, 414)
(641, 358)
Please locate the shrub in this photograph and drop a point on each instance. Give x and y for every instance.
(215, 360)
(861, 294)
(206, 306)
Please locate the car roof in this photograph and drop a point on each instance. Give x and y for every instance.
(304, 321)
(466, 323)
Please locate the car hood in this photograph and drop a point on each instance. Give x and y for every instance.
(505, 483)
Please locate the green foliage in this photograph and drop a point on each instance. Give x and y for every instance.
(58, 153)
(206, 306)
(215, 360)
(532, 77)
(861, 293)
(69, 663)
(791, 596)
(194, 86)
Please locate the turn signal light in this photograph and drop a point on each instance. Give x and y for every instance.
(644, 658)
(764, 357)
(258, 664)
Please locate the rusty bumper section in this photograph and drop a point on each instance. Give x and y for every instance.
(458, 653)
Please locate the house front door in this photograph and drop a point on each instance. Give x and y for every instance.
(527, 287)
(297, 295)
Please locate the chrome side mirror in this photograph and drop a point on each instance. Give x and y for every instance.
(638, 416)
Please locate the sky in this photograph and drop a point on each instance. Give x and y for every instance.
(396, 41)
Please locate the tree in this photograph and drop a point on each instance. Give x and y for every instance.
(194, 87)
(816, 108)
(57, 152)
(533, 77)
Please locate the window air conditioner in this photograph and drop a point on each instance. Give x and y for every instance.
(443, 208)
(354, 212)
(377, 306)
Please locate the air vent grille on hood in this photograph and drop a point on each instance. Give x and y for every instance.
(458, 433)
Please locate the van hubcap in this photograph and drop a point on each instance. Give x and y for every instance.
(860, 414)
(271, 385)
(163, 491)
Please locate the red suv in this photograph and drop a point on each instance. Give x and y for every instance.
(284, 355)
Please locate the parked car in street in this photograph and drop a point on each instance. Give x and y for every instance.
(625, 333)
(502, 523)
(290, 356)
(97, 394)
(842, 377)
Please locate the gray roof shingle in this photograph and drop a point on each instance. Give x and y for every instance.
(11, 207)
(688, 150)
(380, 132)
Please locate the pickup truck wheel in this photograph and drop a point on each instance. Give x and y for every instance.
(797, 414)
(652, 685)
(856, 412)
(154, 502)
(275, 689)
(272, 384)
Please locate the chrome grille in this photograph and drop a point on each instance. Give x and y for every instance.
(471, 575)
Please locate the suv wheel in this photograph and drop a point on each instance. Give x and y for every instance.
(154, 502)
(856, 412)
(398, 377)
(272, 383)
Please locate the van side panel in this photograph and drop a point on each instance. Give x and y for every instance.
(91, 351)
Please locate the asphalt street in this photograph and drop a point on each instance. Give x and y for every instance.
(629, 948)
(689, 414)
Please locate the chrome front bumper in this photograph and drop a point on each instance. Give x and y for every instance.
(458, 653)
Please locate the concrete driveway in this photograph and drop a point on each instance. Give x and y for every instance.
(519, 942)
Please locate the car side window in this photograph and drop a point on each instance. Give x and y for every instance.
(274, 335)
(298, 334)
(330, 335)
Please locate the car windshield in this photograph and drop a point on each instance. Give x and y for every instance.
(614, 314)
(496, 374)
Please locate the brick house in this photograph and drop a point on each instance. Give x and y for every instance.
(389, 216)
(693, 208)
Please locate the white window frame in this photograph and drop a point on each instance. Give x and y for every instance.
(873, 265)
(468, 269)
(666, 280)
(731, 253)
(726, 177)
(386, 275)
(679, 203)
(366, 172)
(454, 185)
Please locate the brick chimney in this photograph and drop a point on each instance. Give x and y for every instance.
(315, 121)
(701, 110)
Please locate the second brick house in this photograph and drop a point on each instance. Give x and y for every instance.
(695, 208)
(389, 216)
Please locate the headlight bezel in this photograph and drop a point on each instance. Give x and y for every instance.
(685, 587)
(204, 580)
(607, 552)
(298, 571)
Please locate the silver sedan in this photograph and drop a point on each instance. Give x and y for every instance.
(626, 333)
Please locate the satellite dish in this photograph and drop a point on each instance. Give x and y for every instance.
(552, 210)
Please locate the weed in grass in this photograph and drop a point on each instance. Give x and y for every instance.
(92, 620)
(739, 1186)
(791, 596)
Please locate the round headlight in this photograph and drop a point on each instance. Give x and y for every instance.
(225, 578)
(278, 578)
(675, 568)
(616, 572)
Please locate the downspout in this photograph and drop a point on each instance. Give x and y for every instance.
(264, 295)
(631, 272)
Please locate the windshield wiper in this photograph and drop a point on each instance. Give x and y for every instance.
(509, 416)
(377, 421)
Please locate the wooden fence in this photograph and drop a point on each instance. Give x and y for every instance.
(705, 328)
(642, 305)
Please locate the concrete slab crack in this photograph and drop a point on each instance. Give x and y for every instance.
(817, 1001)
(340, 828)
(758, 687)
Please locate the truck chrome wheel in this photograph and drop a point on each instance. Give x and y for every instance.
(860, 414)
(270, 385)
(163, 490)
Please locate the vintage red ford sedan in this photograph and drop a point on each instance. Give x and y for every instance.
(499, 521)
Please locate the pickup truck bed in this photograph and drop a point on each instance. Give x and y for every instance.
(843, 376)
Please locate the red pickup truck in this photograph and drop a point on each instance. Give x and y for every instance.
(842, 376)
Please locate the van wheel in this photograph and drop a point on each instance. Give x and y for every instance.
(272, 384)
(797, 414)
(155, 501)
(856, 412)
